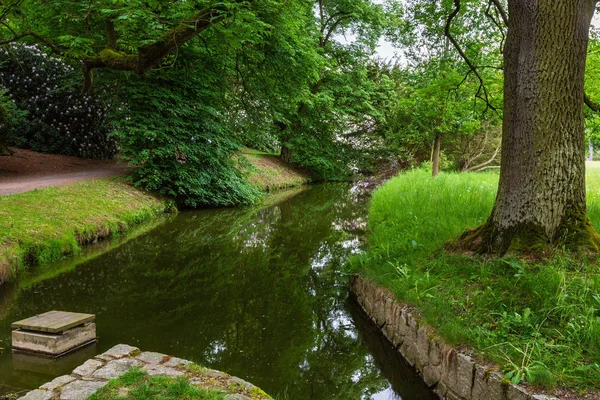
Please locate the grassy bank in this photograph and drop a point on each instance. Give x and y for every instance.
(267, 172)
(136, 384)
(539, 321)
(46, 225)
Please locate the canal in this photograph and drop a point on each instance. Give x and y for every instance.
(261, 293)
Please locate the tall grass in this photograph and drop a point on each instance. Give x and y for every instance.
(539, 321)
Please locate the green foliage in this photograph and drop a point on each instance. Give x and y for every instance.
(9, 117)
(172, 130)
(539, 320)
(60, 119)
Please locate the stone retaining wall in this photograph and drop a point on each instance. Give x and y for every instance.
(449, 373)
(95, 373)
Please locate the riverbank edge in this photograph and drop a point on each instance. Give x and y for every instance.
(104, 369)
(450, 373)
(267, 173)
(18, 253)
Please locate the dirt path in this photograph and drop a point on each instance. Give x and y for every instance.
(27, 170)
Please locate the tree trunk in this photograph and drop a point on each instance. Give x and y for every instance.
(4, 151)
(541, 194)
(286, 154)
(590, 150)
(437, 144)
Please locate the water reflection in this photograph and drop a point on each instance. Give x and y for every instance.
(257, 292)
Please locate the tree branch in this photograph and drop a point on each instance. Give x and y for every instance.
(590, 103)
(148, 56)
(40, 38)
(501, 11)
(472, 67)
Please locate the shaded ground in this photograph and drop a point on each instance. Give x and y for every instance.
(27, 170)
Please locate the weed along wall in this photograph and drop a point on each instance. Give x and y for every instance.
(451, 374)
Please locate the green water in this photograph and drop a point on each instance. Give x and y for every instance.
(259, 293)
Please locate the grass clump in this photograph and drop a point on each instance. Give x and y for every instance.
(539, 320)
(45, 225)
(137, 385)
(267, 172)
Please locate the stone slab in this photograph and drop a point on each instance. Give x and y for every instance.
(80, 390)
(176, 362)
(118, 351)
(153, 370)
(38, 395)
(150, 357)
(53, 344)
(116, 368)
(57, 382)
(53, 321)
(88, 368)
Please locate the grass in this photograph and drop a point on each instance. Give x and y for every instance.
(539, 321)
(137, 385)
(267, 172)
(46, 225)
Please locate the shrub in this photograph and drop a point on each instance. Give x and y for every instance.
(9, 116)
(173, 129)
(61, 120)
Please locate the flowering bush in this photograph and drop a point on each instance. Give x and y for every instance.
(61, 120)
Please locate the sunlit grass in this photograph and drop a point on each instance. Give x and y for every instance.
(539, 320)
(45, 225)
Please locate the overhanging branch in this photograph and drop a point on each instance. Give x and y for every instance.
(482, 92)
(34, 35)
(590, 103)
(148, 56)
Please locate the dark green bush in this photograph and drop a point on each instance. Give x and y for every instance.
(61, 120)
(175, 131)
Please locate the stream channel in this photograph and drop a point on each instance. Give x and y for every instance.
(259, 293)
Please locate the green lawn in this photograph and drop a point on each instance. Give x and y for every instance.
(540, 321)
(46, 225)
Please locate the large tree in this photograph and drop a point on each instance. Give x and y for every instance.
(541, 198)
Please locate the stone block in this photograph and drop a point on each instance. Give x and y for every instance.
(176, 362)
(514, 392)
(54, 344)
(116, 368)
(119, 351)
(161, 370)
(80, 390)
(464, 376)
(422, 347)
(487, 385)
(38, 395)
(431, 375)
(57, 382)
(150, 357)
(435, 352)
(88, 367)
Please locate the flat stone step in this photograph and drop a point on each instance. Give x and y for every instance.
(53, 321)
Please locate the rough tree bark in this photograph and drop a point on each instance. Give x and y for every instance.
(541, 195)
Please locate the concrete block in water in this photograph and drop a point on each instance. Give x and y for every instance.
(53, 344)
